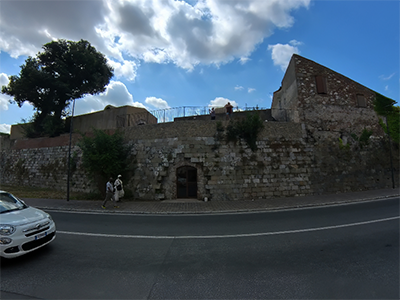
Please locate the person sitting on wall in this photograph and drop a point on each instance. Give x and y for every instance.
(229, 110)
(119, 189)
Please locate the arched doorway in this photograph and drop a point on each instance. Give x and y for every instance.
(186, 182)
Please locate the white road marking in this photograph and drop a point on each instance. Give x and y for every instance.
(228, 235)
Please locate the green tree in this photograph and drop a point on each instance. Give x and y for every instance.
(64, 71)
(385, 107)
(105, 155)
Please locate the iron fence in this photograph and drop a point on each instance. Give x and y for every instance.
(169, 114)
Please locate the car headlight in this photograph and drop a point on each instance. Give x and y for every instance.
(50, 218)
(6, 229)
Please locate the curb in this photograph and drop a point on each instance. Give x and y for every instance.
(233, 211)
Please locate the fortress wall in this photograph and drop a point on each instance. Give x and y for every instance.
(284, 164)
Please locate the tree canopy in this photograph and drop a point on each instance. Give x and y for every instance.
(64, 71)
(385, 107)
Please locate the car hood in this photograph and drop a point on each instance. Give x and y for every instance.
(23, 216)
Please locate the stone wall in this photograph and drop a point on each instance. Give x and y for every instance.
(110, 118)
(311, 150)
(285, 164)
(333, 114)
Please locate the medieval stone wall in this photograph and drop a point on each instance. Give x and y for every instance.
(312, 150)
(337, 112)
(285, 164)
(333, 114)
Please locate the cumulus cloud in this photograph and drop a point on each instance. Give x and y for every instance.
(4, 99)
(157, 102)
(116, 94)
(281, 54)
(27, 25)
(127, 69)
(221, 101)
(159, 31)
(250, 90)
(5, 128)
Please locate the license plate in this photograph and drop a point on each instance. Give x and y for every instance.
(39, 236)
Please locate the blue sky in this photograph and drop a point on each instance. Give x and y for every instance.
(198, 53)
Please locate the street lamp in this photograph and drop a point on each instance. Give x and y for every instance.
(69, 148)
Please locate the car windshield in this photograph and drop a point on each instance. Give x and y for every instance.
(9, 203)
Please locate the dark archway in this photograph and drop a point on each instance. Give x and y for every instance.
(186, 182)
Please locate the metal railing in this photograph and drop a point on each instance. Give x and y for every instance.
(169, 114)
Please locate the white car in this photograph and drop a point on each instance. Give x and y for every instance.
(22, 228)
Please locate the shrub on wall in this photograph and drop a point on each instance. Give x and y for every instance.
(104, 156)
(363, 139)
(247, 129)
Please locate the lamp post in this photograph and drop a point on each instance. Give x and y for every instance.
(69, 148)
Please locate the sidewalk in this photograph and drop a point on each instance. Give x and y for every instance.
(192, 206)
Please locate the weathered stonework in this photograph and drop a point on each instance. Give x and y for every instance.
(299, 154)
(284, 164)
(332, 114)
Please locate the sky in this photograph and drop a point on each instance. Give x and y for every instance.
(168, 53)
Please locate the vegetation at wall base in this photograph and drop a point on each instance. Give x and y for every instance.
(24, 192)
(105, 156)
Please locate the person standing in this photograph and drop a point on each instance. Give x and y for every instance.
(119, 189)
(229, 110)
(212, 113)
(109, 193)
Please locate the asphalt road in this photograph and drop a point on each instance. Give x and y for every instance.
(346, 252)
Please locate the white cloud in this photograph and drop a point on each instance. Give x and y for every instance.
(295, 43)
(239, 88)
(4, 99)
(250, 90)
(281, 54)
(221, 102)
(160, 31)
(157, 102)
(27, 25)
(5, 128)
(127, 69)
(244, 60)
(116, 94)
(383, 77)
(386, 88)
